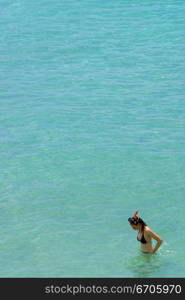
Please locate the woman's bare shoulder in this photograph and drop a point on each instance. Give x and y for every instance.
(151, 233)
(148, 230)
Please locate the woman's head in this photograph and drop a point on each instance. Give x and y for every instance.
(137, 222)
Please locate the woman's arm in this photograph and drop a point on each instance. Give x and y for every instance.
(157, 238)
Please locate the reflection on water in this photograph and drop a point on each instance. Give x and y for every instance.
(144, 265)
(164, 263)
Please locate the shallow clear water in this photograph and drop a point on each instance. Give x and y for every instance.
(92, 120)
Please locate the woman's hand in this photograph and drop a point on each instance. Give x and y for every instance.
(151, 251)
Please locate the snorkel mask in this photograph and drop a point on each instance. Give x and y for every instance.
(134, 220)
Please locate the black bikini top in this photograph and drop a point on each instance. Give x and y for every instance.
(142, 239)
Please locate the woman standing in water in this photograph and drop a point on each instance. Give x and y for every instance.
(145, 234)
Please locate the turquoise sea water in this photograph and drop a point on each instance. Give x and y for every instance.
(92, 127)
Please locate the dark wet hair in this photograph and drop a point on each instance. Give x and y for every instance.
(136, 220)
